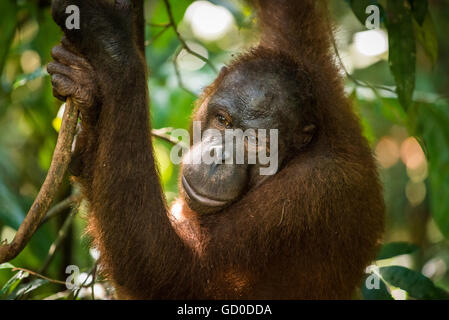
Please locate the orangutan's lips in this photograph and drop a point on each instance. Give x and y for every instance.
(199, 198)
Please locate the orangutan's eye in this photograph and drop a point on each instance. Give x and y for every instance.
(223, 121)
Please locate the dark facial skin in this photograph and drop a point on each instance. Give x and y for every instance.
(246, 98)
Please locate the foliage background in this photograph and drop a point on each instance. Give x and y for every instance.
(409, 134)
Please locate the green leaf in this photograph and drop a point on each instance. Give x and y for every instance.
(419, 9)
(417, 285)
(6, 266)
(394, 249)
(26, 288)
(376, 294)
(392, 110)
(430, 121)
(13, 282)
(427, 38)
(402, 49)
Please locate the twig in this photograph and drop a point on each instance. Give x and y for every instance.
(62, 206)
(164, 26)
(39, 275)
(92, 285)
(349, 76)
(181, 39)
(160, 33)
(91, 273)
(162, 134)
(160, 25)
(48, 191)
(178, 74)
(61, 236)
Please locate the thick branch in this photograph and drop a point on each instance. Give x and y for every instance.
(49, 189)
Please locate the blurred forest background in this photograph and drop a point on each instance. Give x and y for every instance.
(396, 76)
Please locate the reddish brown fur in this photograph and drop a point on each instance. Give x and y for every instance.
(306, 233)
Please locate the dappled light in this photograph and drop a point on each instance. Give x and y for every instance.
(371, 42)
(387, 152)
(188, 61)
(412, 154)
(209, 22)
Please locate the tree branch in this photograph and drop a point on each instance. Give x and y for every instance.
(56, 244)
(357, 82)
(39, 275)
(163, 134)
(48, 191)
(62, 206)
(159, 34)
(160, 25)
(181, 39)
(179, 76)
